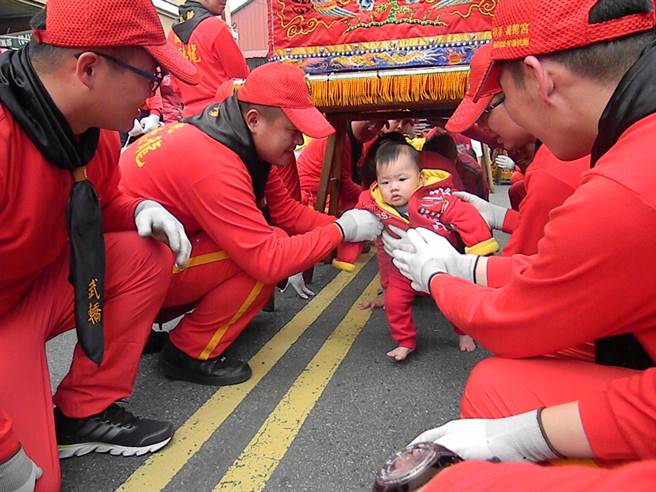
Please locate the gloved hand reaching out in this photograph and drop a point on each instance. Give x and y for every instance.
(298, 284)
(504, 162)
(154, 220)
(137, 129)
(432, 254)
(359, 225)
(516, 438)
(493, 215)
(149, 123)
(146, 124)
(19, 473)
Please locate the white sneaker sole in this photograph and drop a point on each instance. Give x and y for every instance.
(70, 450)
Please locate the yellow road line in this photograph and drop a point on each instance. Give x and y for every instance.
(251, 471)
(162, 466)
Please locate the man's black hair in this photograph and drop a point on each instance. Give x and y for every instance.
(443, 144)
(269, 113)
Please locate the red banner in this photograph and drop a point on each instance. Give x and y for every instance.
(325, 36)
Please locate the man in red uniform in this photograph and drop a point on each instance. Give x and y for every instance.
(213, 170)
(549, 181)
(593, 276)
(310, 163)
(206, 40)
(70, 252)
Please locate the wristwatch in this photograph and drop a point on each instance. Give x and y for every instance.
(412, 467)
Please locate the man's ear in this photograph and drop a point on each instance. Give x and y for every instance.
(540, 76)
(253, 119)
(86, 68)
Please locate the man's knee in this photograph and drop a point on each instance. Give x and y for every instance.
(485, 387)
(144, 258)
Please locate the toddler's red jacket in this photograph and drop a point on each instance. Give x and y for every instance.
(432, 206)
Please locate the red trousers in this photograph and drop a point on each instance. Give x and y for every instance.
(136, 278)
(399, 296)
(226, 299)
(499, 387)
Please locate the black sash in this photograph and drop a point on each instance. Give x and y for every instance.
(25, 97)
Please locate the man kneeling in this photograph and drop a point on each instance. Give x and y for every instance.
(212, 172)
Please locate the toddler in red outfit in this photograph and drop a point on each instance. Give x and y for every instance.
(405, 196)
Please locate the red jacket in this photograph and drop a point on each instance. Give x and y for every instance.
(593, 276)
(289, 176)
(432, 206)
(215, 53)
(549, 181)
(483, 476)
(472, 176)
(207, 187)
(310, 163)
(8, 442)
(435, 160)
(154, 104)
(33, 198)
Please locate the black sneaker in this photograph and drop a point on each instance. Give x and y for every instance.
(218, 371)
(115, 431)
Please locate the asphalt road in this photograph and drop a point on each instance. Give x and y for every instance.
(323, 411)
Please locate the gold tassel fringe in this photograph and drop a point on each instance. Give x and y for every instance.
(388, 90)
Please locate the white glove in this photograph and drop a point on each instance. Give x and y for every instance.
(391, 243)
(359, 225)
(154, 220)
(137, 129)
(493, 215)
(149, 123)
(516, 438)
(19, 473)
(433, 254)
(298, 283)
(504, 162)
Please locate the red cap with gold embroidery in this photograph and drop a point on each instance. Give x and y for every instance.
(533, 27)
(284, 86)
(112, 24)
(469, 111)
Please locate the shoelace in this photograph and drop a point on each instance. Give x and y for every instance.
(118, 415)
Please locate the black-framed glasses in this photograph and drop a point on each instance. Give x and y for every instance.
(487, 111)
(155, 79)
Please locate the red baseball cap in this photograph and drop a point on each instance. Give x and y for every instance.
(112, 24)
(522, 28)
(469, 111)
(284, 86)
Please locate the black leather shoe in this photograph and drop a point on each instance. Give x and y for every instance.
(219, 371)
(156, 341)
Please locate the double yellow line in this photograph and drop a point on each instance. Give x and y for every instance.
(260, 458)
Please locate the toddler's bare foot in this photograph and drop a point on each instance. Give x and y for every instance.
(466, 343)
(400, 353)
(375, 303)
